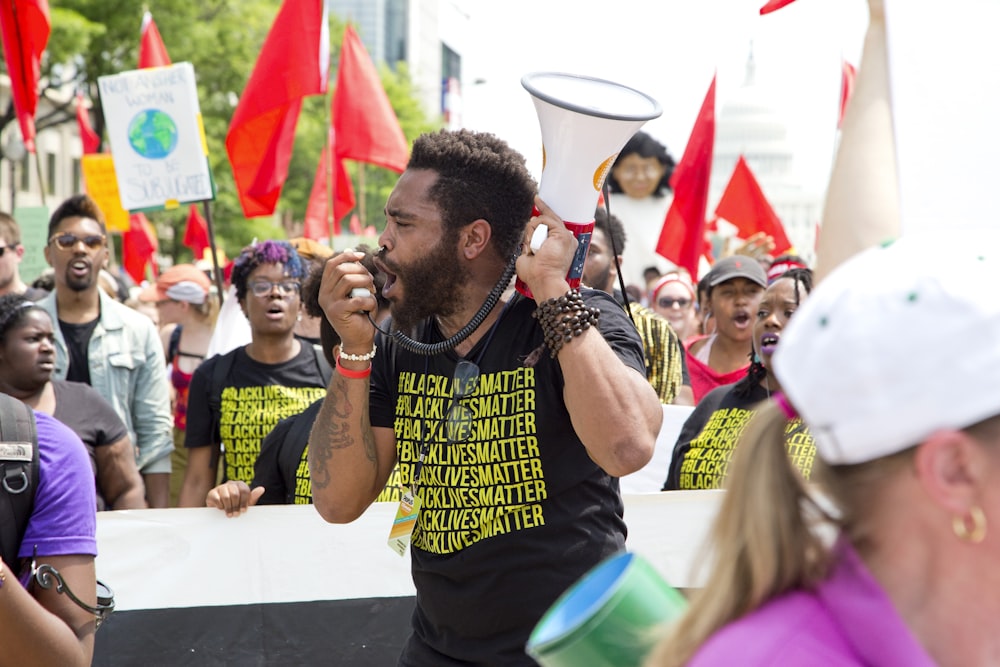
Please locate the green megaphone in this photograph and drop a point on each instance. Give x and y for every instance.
(611, 617)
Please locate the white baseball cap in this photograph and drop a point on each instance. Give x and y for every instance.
(896, 343)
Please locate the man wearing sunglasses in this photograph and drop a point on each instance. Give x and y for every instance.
(509, 440)
(106, 344)
(11, 252)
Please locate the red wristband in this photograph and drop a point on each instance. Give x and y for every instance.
(353, 375)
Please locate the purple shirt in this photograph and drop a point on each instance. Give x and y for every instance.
(64, 519)
(847, 620)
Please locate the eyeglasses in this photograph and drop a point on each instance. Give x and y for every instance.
(265, 287)
(667, 302)
(69, 241)
(458, 422)
(4, 249)
(648, 171)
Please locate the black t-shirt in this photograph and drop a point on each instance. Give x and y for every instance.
(77, 337)
(516, 514)
(253, 398)
(283, 465)
(91, 417)
(709, 437)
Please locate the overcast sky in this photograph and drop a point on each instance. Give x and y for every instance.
(668, 49)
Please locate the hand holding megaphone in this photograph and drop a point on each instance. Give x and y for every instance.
(543, 268)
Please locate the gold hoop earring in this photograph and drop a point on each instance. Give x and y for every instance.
(977, 532)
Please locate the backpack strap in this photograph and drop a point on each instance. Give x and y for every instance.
(321, 363)
(173, 346)
(19, 464)
(220, 373)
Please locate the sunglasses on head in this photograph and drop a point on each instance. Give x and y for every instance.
(68, 241)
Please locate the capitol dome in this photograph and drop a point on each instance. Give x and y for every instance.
(748, 124)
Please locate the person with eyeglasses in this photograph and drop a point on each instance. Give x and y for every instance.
(639, 182)
(281, 473)
(672, 296)
(235, 399)
(11, 253)
(511, 419)
(104, 343)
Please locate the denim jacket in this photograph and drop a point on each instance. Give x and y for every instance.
(128, 369)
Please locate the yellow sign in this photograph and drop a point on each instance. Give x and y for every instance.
(102, 186)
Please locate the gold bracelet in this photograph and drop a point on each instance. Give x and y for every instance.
(359, 357)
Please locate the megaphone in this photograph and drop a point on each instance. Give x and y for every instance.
(585, 123)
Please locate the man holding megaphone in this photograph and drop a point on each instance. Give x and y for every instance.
(510, 420)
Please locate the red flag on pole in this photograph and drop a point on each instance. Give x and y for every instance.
(774, 5)
(365, 126)
(743, 203)
(25, 28)
(91, 142)
(152, 52)
(847, 75)
(293, 63)
(196, 233)
(682, 239)
(317, 222)
(139, 244)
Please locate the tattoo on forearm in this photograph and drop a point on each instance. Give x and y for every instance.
(332, 431)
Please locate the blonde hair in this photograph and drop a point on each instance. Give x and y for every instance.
(764, 539)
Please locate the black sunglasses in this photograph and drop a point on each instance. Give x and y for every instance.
(4, 249)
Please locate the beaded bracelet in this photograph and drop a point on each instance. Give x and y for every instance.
(564, 318)
(360, 357)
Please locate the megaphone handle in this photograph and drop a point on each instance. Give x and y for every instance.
(538, 237)
(540, 234)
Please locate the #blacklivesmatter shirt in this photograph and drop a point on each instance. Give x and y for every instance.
(708, 439)
(514, 513)
(253, 399)
(283, 465)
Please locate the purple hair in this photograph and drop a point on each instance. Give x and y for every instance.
(265, 252)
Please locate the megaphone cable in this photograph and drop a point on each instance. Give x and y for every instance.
(431, 349)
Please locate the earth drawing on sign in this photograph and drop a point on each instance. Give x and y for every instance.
(153, 134)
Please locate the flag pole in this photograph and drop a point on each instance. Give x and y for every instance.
(216, 270)
(329, 153)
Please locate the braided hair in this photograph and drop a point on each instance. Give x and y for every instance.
(756, 371)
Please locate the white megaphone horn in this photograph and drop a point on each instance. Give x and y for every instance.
(585, 123)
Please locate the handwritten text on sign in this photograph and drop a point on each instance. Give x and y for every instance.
(157, 141)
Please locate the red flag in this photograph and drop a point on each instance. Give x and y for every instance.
(774, 5)
(152, 52)
(317, 224)
(365, 126)
(292, 64)
(91, 142)
(847, 75)
(743, 203)
(139, 244)
(196, 233)
(682, 239)
(25, 27)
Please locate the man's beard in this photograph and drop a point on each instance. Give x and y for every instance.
(80, 284)
(430, 285)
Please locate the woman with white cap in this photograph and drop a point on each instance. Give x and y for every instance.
(890, 560)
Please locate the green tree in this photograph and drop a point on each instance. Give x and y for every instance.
(221, 39)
